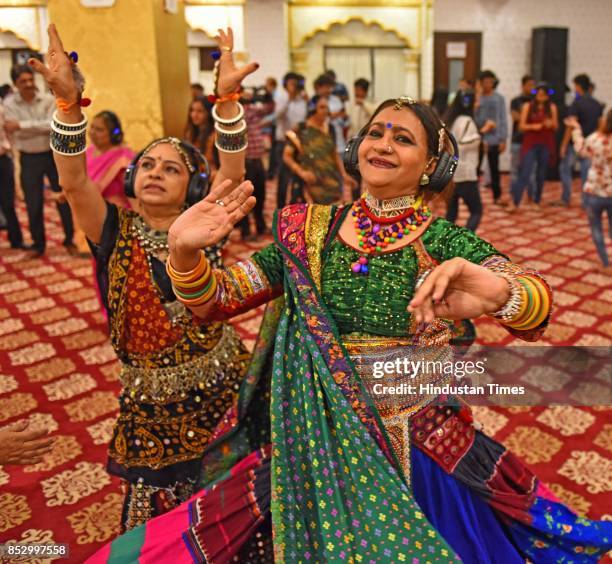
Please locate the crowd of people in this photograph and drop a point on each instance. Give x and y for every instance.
(291, 439)
(300, 139)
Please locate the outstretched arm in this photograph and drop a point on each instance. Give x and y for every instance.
(474, 279)
(83, 195)
(229, 79)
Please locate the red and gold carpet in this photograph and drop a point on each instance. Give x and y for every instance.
(58, 370)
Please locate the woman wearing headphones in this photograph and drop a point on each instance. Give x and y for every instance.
(179, 375)
(107, 157)
(354, 473)
(460, 120)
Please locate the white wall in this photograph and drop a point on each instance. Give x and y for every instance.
(506, 30)
(266, 39)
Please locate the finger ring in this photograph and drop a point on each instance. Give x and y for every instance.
(226, 48)
(220, 203)
(421, 279)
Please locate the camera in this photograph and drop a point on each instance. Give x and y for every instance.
(255, 95)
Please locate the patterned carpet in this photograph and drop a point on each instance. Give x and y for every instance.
(58, 370)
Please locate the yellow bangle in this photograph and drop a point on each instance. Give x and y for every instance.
(200, 281)
(205, 298)
(544, 308)
(526, 305)
(535, 309)
(190, 275)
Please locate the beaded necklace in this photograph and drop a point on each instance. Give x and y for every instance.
(376, 233)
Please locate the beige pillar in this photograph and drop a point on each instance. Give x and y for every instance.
(135, 60)
(411, 66)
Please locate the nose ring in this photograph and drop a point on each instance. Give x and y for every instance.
(389, 150)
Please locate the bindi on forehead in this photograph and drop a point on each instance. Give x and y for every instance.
(389, 125)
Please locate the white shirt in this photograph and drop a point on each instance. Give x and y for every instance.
(5, 146)
(336, 105)
(359, 115)
(289, 113)
(466, 133)
(34, 121)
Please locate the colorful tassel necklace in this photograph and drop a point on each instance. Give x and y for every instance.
(376, 233)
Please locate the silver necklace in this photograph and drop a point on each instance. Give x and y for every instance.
(152, 241)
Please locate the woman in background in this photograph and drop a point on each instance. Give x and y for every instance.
(107, 157)
(200, 129)
(597, 191)
(460, 121)
(311, 155)
(538, 123)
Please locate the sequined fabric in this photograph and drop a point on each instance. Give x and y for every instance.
(382, 297)
(180, 376)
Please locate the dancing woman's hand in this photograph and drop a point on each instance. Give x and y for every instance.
(20, 445)
(58, 70)
(230, 77)
(459, 289)
(208, 222)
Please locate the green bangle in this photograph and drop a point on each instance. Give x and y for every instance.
(198, 294)
(530, 300)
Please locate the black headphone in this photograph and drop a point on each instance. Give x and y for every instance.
(197, 189)
(114, 130)
(441, 176)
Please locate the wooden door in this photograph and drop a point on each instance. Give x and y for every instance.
(456, 56)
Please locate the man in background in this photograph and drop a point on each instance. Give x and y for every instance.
(491, 120)
(269, 126)
(28, 115)
(7, 188)
(257, 105)
(340, 89)
(291, 109)
(588, 111)
(527, 86)
(324, 86)
(359, 111)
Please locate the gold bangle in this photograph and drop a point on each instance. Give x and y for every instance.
(535, 311)
(204, 299)
(199, 281)
(190, 275)
(544, 307)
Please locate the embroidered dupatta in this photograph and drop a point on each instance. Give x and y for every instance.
(337, 489)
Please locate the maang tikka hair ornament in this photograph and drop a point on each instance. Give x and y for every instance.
(403, 101)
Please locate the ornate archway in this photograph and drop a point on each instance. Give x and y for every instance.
(360, 48)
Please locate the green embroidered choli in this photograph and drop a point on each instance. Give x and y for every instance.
(377, 304)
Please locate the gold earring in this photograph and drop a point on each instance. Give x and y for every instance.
(424, 180)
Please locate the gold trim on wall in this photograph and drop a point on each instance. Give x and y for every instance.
(361, 19)
(202, 30)
(23, 3)
(24, 39)
(213, 2)
(361, 3)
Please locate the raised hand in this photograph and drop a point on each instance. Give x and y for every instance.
(210, 220)
(230, 77)
(459, 289)
(58, 71)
